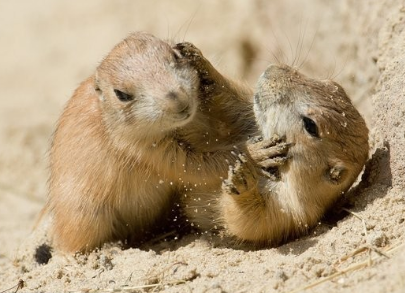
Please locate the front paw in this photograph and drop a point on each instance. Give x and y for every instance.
(189, 51)
(210, 79)
(241, 177)
(269, 154)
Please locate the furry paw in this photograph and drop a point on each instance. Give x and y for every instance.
(269, 154)
(188, 50)
(210, 79)
(241, 177)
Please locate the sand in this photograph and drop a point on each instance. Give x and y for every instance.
(49, 47)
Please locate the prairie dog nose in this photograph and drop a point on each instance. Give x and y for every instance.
(177, 101)
(172, 95)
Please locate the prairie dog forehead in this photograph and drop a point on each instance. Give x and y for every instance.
(282, 85)
(138, 53)
(142, 61)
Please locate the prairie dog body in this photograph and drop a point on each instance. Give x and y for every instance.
(131, 138)
(328, 147)
(281, 187)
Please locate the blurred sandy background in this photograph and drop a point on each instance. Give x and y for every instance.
(48, 47)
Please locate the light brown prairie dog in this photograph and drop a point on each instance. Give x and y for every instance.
(135, 134)
(314, 145)
(328, 147)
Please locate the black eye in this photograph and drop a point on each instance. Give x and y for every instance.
(123, 97)
(310, 126)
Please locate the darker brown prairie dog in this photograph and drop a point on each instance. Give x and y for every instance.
(133, 136)
(327, 147)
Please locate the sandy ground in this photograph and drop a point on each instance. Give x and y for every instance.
(48, 47)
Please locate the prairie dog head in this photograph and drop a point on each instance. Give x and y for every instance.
(145, 88)
(330, 136)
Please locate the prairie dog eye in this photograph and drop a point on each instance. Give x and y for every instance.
(310, 126)
(123, 97)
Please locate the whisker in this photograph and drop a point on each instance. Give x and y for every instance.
(309, 50)
(334, 76)
(299, 45)
(291, 48)
(190, 21)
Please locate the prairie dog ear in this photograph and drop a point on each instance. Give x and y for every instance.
(337, 173)
(96, 82)
(97, 87)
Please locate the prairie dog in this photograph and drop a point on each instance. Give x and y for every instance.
(327, 147)
(134, 135)
(313, 144)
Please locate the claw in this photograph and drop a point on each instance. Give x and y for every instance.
(274, 162)
(272, 175)
(242, 158)
(255, 139)
(262, 154)
(228, 186)
(258, 142)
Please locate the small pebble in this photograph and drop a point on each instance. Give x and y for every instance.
(377, 239)
(43, 254)
(105, 262)
(280, 274)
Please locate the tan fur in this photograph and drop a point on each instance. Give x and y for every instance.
(116, 167)
(262, 210)
(320, 169)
